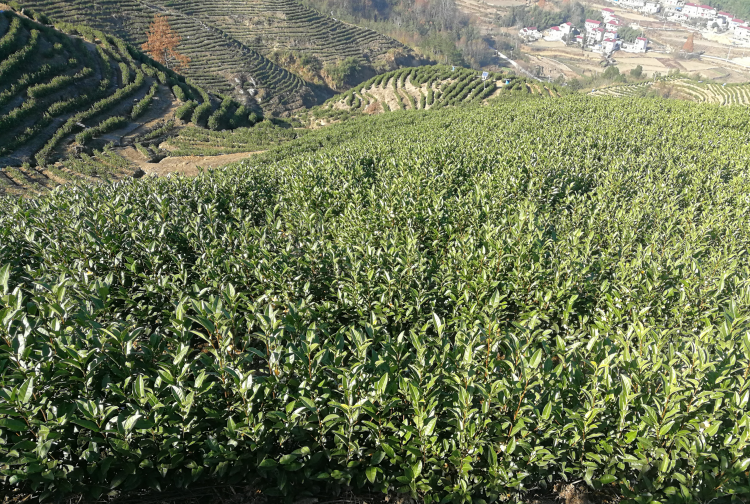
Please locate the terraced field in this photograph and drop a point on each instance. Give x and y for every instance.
(423, 88)
(228, 40)
(66, 103)
(729, 94)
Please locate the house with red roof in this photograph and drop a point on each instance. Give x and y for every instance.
(693, 10)
(592, 24)
(742, 33)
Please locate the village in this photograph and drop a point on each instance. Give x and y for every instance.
(604, 36)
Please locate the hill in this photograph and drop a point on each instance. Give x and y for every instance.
(461, 305)
(229, 43)
(425, 88)
(683, 88)
(66, 100)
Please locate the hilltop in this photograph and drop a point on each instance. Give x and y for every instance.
(276, 53)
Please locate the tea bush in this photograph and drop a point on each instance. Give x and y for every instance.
(459, 305)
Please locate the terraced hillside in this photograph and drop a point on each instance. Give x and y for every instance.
(228, 41)
(66, 101)
(423, 88)
(729, 94)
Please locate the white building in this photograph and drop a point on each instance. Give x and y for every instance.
(692, 10)
(530, 33)
(742, 33)
(612, 26)
(609, 45)
(633, 4)
(592, 24)
(608, 14)
(566, 28)
(596, 36)
(639, 46)
(554, 34)
(734, 23)
(651, 8)
(673, 4)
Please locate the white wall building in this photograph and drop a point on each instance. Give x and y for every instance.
(651, 8)
(673, 4)
(592, 24)
(639, 46)
(742, 33)
(554, 34)
(609, 45)
(692, 10)
(530, 33)
(608, 14)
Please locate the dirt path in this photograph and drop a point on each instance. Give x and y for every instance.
(183, 165)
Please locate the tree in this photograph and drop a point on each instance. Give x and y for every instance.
(637, 72)
(689, 46)
(162, 44)
(611, 73)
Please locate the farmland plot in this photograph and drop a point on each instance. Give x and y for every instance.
(461, 317)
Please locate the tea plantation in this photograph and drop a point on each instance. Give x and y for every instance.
(229, 41)
(460, 304)
(423, 88)
(69, 94)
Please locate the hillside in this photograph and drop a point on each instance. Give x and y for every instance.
(424, 88)
(471, 304)
(682, 88)
(66, 103)
(229, 41)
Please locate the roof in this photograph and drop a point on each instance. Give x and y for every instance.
(567, 24)
(556, 28)
(593, 21)
(744, 27)
(642, 38)
(607, 10)
(706, 7)
(722, 13)
(737, 20)
(599, 29)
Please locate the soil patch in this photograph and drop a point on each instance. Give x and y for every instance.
(181, 165)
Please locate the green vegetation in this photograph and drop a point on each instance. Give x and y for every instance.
(543, 18)
(229, 52)
(424, 87)
(383, 305)
(677, 86)
(55, 88)
(436, 28)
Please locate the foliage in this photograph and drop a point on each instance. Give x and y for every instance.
(575, 13)
(162, 44)
(459, 317)
(689, 45)
(637, 72)
(342, 71)
(628, 34)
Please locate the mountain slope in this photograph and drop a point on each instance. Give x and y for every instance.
(228, 40)
(423, 88)
(64, 98)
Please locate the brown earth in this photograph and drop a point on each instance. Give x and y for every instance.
(182, 165)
